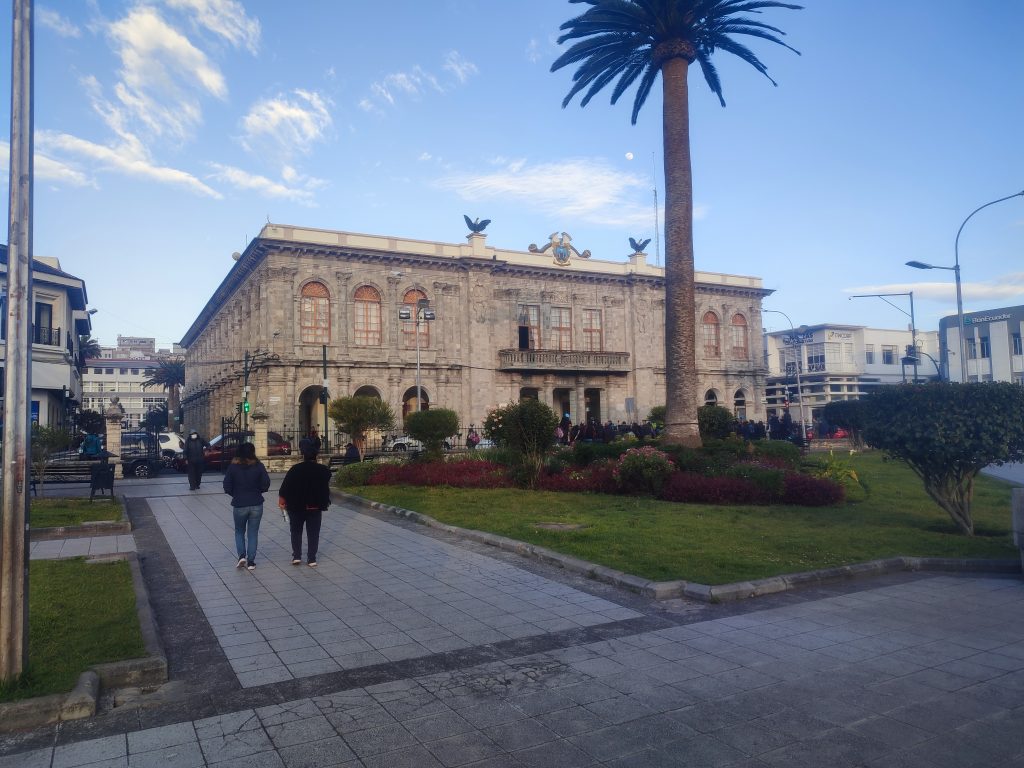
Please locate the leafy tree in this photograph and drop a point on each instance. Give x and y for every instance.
(431, 428)
(947, 433)
(155, 419)
(657, 416)
(91, 421)
(47, 441)
(169, 375)
(528, 428)
(356, 415)
(848, 414)
(631, 39)
(715, 422)
(88, 349)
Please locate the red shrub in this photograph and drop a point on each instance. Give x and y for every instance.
(457, 474)
(595, 478)
(811, 491)
(694, 488)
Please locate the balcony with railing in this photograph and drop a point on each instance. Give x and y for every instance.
(52, 337)
(562, 361)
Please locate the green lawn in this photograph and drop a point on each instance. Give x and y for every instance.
(52, 513)
(717, 545)
(79, 614)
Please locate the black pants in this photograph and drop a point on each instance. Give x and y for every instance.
(311, 518)
(195, 473)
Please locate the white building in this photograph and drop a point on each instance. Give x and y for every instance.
(59, 317)
(992, 339)
(104, 378)
(842, 362)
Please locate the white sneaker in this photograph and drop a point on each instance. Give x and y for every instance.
(241, 563)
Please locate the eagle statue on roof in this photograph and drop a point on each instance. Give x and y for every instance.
(638, 247)
(476, 226)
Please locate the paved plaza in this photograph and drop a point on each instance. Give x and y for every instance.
(411, 647)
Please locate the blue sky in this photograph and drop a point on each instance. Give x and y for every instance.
(168, 132)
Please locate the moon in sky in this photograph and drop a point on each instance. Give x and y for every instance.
(629, 155)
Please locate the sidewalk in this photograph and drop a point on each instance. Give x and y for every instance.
(408, 647)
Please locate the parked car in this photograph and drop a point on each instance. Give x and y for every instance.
(222, 447)
(140, 454)
(171, 443)
(402, 443)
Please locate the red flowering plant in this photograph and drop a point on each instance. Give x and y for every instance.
(643, 470)
(465, 473)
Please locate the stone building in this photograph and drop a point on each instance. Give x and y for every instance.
(304, 309)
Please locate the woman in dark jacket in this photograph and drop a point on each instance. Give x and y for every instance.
(306, 493)
(245, 481)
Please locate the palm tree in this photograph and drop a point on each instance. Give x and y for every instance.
(630, 39)
(88, 348)
(169, 375)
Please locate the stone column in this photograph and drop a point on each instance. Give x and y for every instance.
(114, 415)
(259, 428)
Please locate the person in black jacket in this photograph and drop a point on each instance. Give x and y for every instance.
(306, 492)
(196, 459)
(245, 481)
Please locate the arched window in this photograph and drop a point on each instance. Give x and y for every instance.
(315, 314)
(712, 340)
(409, 326)
(739, 405)
(710, 398)
(738, 326)
(367, 319)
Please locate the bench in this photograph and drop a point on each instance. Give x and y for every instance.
(338, 460)
(100, 476)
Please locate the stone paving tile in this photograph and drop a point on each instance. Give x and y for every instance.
(94, 751)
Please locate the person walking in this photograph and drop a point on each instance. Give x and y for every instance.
(245, 481)
(305, 493)
(195, 459)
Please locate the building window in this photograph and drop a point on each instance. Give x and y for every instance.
(411, 301)
(529, 326)
(712, 339)
(869, 354)
(710, 398)
(592, 338)
(986, 350)
(315, 314)
(972, 349)
(1017, 349)
(97, 370)
(889, 353)
(739, 337)
(135, 371)
(109, 371)
(367, 320)
(561, 329)
(123, 371)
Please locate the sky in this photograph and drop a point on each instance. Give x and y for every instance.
(168, 132)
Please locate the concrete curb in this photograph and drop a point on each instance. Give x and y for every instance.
(708, 593)
(87, 529)
(146, 672)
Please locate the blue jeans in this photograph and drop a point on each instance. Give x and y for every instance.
(247, 527)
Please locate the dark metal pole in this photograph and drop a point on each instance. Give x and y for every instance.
(245, 391)
(14, 542)
(325, 440)
(913, 333)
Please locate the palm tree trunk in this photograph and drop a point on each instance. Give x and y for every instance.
(680, 307)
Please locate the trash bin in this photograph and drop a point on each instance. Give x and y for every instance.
(102, 479)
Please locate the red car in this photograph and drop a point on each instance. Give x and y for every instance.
(222, 447)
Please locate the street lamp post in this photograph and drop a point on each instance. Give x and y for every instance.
(913, 325)
(423, 314)
(798, 334)
(956, 273)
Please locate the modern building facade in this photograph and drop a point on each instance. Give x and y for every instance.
(992, 341)
(469, 326)
(104, 378)
(59, 317)
(842, 362)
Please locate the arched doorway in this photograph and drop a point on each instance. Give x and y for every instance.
(409, 401)
(311, 412)
(739, 405)
(367, 391)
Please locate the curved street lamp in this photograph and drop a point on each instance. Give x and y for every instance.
(956, 273)
(797, 333)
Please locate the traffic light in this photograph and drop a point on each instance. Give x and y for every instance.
(238, 407)
(245, 406)
(323, 397)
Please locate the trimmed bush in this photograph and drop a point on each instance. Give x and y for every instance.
(688, 487)
(432, 427)
(782, 451)
(643, 470)
(464, 473)
(355, 474)
(811, 491)
(769, 479)
(584, 453)
(714, 422)
(595, 478)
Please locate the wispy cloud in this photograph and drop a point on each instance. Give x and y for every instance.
(225, 18)
(588, 189)
(47, 168)
(262, 185)
(54, 21)
(1008, 286)
(125, 159)
(417, 81)
(287, 124)
(533, 53)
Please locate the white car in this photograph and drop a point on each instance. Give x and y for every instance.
(171, 443)
(402, 443)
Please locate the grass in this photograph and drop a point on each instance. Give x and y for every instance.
(658, 540)
(80, 614)
(53, 513)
